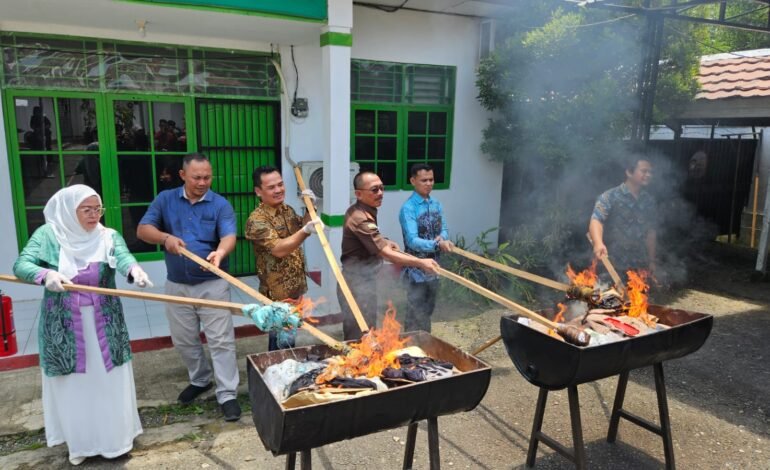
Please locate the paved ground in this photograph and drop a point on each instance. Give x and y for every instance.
(717, 399)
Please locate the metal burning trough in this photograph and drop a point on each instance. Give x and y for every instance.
(284, 431)
(553, 365)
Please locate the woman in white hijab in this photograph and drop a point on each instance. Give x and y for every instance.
(89, 398)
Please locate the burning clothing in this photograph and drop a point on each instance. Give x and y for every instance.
(418, 369)
(627, 221)
(361, 245)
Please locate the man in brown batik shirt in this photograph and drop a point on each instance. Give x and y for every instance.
(363, 249)
(277, 233)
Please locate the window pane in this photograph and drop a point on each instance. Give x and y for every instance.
(376, 81)
(437, 123)
(83, 169)
(439, 174)
(387, 122)
(417, 124)
(415, 147)
(77, 122)
(387, 172)
(364, 148)
(135, 173)
(41, 178)
(167, 168)
(34, 123)
(131, 124)
(35, 220)
(50, 63)
(367, 166)
(364, 122)
(436, 147)
(143, 68)
(170, 129)
(131, 217)
(386, 148)
(240, 74)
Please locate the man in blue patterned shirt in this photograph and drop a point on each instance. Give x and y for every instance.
(624, 220)
(425, 236)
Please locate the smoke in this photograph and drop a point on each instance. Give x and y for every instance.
(565, 106)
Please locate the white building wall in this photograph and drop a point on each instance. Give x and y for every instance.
(472, 202)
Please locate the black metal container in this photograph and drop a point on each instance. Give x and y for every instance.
(292, 430)
(553, 364)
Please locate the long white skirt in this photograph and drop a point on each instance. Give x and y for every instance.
(94, 413)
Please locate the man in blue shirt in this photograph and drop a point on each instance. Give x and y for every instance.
(622, 224)
(425, 236)
(194, 217)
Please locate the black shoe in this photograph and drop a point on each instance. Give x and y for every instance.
(192, 392)
(231, 410)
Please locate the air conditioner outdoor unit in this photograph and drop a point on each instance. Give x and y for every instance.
(313, 175)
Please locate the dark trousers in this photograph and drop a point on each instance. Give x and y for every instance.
(420, 302)
(364, 290)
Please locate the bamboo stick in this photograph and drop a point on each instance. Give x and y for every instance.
(487, 344)
(330, 257)
(621, 288)
(234, 281)
(235, 308)
(516, 272)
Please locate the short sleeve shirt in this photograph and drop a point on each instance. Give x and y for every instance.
(279, 278)
(361, 237)
(627, 220)
(201, 225)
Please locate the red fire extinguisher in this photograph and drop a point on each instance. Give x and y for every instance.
(8, 345)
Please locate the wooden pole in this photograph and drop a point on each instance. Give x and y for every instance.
(487, 344)
(330, 257)
(610, 269)
(754, 210)
(234, 308)
(516, 272)
(234, 281)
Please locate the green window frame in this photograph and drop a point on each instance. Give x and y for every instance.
(402, 114)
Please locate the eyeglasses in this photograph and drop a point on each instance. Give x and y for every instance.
(375, 189)
(91, 210)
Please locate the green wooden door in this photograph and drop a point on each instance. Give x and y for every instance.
(238, 136)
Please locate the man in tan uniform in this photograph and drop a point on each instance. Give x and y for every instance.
(363, 251)
(277, 233)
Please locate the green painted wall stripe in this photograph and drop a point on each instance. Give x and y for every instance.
(336, 39)
(333, 220)
(297, 10)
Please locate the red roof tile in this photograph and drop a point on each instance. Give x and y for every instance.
(734, 77)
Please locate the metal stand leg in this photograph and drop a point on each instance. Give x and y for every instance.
(537, 424)
(433, 452)
(577, 428)
(665, 421)
(291, 461)
(620, 396)
(305, 462)
(411, 435)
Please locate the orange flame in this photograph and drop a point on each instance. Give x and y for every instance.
(559, 317)
(585, 278)
(372, 355)
(304, 307)
(637, 294)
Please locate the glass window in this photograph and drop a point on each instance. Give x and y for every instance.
(169, 127)
(35, 127)
(131, 124)
(77, 123)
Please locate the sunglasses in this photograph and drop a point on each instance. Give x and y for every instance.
(375, 189)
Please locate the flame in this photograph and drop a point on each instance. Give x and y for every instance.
(586, 278)
(637, 295)
(559, 317)
(304, 307)
(372, 355)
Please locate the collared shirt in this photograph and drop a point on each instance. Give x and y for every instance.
(201, 225)
(422, 220)
(279, 278)
(361, 238)
(627, 220)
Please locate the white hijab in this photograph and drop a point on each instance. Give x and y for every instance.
(78, 246)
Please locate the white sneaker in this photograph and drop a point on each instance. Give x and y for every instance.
(77, 460)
